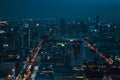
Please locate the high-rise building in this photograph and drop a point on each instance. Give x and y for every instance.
(97, 22)
(78, 56)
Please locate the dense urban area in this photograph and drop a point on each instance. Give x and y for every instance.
(64, 49)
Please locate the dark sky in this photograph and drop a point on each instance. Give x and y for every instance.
(108, 9)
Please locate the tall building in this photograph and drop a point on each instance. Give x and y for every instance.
(64, 28)
(97, 22)
(78, 56)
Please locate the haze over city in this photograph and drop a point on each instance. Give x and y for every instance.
(107, 9)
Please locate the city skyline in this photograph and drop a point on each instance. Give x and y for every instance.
(59, 40)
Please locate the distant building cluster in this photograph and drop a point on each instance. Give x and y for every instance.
(64, 41)
(18, 36)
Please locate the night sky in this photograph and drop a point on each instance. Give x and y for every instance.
(107, 9)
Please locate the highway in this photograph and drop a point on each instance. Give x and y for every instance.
(26, 72)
